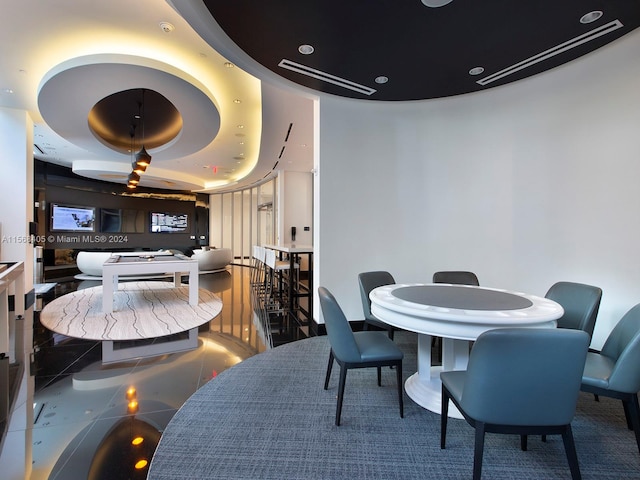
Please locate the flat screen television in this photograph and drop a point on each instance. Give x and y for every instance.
(72, 218)
(163, 222)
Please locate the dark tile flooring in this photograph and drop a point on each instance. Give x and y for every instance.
(81, 406)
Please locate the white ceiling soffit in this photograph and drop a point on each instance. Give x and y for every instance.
(64, 102)
(552, 52)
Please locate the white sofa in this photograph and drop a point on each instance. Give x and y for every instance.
(212, 259)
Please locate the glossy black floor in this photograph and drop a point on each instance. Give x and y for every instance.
(82, 414)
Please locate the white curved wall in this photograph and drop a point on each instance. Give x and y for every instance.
(525, 184)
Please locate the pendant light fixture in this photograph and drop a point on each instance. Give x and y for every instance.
(143, 159)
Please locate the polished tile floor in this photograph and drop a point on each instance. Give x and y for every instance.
(84, 421)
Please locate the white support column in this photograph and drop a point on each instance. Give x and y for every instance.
(16, 190)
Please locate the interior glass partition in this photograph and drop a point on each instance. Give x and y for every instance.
(241, 219)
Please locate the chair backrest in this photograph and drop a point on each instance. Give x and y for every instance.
(270, 258)
(341, 337)
(525, 376)
(580, 303)
(368, 281)
(456, 277)
(623, 347)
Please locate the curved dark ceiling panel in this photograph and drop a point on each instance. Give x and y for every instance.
(421, 52)
(125, 120)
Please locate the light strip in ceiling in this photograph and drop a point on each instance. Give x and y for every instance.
(552, 52)
(326, 77)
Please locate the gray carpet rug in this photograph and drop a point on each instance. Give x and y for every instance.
(269, 418)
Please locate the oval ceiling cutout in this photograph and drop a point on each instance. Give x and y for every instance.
(128, 119)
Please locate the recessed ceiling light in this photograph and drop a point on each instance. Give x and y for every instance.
(591, 16)
(476, 71)
(7, 90)
(240, 126)
(381, 79)
(229, 64)
(306, 49)
(167, 27)
(237, 100)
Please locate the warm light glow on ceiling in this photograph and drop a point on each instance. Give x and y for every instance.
(223, 85)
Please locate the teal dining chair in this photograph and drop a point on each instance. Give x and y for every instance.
(522, 381)
(356, 349)
(367, 282)
(580, 302)
(456, 277)
(614, 371)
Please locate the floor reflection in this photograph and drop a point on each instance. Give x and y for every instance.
(83, 417)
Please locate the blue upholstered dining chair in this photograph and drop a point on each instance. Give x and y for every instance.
(456, 277)
(614, 371)
(580, 303)
(356, 350)
(368, 281)
(522, 381)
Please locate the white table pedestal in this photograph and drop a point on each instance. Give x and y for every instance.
(424, 387)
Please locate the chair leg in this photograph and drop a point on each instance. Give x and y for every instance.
(329, 367)
(633, 409)
(400, 396)
(523, 443)
(570, 449)
(343, 378)
(478, 451)
(627, 416)
(444, 415)
(379, 369)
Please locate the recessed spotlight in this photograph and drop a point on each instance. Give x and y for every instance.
(306, 49)
(591, 16)
(381, 79)
(7, 90)
(240, 126)
(237, 100)
(167, 27)
(476, 71)
(229, 64)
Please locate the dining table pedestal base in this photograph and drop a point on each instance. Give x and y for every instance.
(424, 387)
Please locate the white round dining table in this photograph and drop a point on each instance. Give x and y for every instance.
(458, 314)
